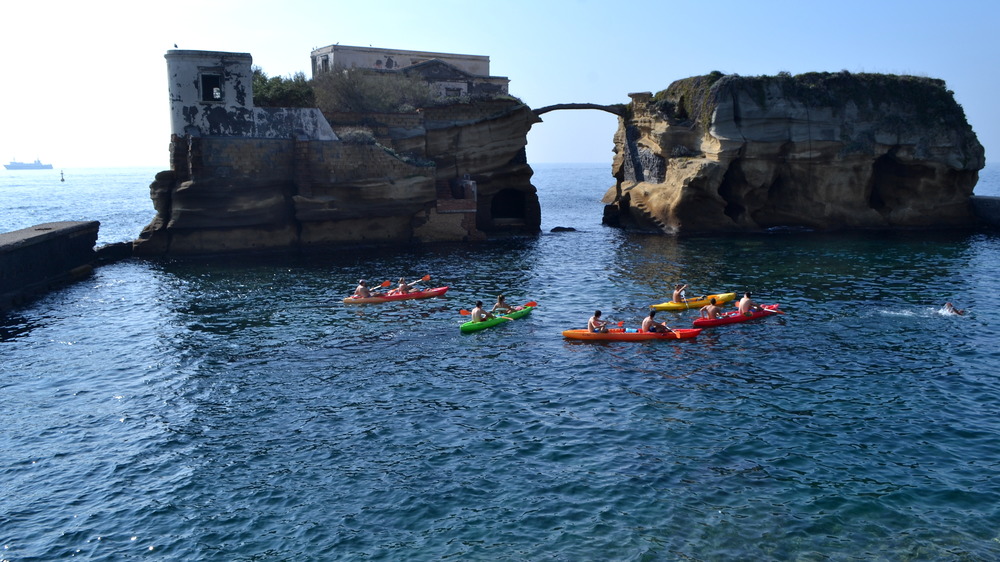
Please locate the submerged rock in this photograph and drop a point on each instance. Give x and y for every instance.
(721, 153)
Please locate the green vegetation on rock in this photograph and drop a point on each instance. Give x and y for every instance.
(276, 91)
(694, 99)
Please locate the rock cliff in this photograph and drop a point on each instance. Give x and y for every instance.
(404, 178)
(725, 153)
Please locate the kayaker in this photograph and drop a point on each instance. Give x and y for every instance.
(711, 310)
(596, 325)
(478, 314)
(679, 293)
(501, 306)
(747, 306)
(403, 287)
(649, 324)
(362, 291)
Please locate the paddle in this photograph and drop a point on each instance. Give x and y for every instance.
(409, 285)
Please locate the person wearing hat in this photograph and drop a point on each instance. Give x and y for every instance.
(362, 291)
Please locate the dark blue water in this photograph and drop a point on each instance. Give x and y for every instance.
(237, 410)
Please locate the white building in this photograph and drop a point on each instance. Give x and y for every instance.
(449, 74)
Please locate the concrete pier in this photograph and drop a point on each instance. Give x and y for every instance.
(34, 259)
(987, 209)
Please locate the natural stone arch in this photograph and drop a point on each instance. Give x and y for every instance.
(617, 109)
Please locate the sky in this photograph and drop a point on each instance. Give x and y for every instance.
(85, 83)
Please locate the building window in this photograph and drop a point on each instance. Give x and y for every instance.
(453, 92)
(211, 87)
(326, 64)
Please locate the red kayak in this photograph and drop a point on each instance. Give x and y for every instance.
(425, 294)
(629, 335)
(735, 317)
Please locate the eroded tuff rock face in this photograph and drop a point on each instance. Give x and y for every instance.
(723, 153)
(230, 194)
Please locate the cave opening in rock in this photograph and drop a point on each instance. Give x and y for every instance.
(887, 171)
(508, 204)
(733, 185)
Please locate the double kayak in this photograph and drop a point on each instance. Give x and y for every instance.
(735, 317)
(469, 327)
(425, 294)
(619, 334)
(694, 302)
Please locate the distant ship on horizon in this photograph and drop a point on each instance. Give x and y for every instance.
(36, 165)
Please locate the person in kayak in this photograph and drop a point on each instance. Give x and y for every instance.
(596, 325)
(478, 314)
(679, 293)
(711, 310)
(403, 287)
(362, 291)
(501, 306)
(747, 306)
(649, 324)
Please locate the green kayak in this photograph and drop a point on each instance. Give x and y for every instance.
(476, 326)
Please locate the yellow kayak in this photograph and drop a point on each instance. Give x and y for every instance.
(693, 302)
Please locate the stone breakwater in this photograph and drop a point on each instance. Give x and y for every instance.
(34, 259)
(825, 151)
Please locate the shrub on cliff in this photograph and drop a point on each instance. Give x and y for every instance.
(293, 91)
(358, 90)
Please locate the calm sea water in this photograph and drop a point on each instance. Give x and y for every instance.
(237, 410)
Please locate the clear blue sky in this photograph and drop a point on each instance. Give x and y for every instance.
(85, 82)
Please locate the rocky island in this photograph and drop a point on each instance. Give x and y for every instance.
(726, 153)
(246, 178)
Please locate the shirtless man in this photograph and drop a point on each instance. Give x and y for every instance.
(747, 306)
(651, 325)
(711, 310)
(362, 291)
(679, 293)
(478, 314)
(596, 325)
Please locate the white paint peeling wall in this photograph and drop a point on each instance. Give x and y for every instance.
(211, 95)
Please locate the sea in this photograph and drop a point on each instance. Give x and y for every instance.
(234, 409)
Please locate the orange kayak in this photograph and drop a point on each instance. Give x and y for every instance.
(620, 334)
(435, 292)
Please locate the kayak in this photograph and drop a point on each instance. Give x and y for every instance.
(694, 302)
(469, 327)
(735, 317)
(619, 334)
(425, 294)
